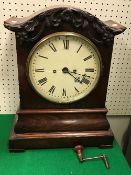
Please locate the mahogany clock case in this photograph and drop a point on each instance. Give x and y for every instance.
(44, 123)
(30, 30)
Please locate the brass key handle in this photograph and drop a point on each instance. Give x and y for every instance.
(78, 149)
(104, 158)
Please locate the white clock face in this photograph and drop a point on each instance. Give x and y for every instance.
(64, 67)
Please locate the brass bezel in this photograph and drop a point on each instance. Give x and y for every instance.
(63, 34)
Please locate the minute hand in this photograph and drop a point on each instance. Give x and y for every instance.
(83, 75)
(83, 78)
(76, 78)
(66, 70)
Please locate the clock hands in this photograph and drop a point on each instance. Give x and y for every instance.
(66, 71)
(84, 75)
(80, 78)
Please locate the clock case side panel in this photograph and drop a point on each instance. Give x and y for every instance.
(67, 20)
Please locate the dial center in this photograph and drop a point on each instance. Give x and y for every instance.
(65, 70)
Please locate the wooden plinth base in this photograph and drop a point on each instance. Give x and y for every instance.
(21, 142)
(39, 129)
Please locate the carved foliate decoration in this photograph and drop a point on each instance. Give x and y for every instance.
(56, 18)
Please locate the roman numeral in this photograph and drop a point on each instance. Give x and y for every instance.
(52, 47)
(42, 81)
(43, 56)
(79, 48)
(66, 44)
(64, 92)
(89, 70)
(52, 89)
(87, 58)
(76, 89)
(39, 70)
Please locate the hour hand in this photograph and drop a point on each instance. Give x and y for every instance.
(79, 78)
(83, 77)
(67, 71)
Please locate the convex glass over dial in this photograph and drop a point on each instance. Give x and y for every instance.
(64, 67)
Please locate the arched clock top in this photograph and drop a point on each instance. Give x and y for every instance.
(32, 28)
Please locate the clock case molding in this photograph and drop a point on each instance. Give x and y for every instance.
(43, 124)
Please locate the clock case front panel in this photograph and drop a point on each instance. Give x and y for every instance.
(39, 116)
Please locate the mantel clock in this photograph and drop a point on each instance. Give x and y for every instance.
(63, 57)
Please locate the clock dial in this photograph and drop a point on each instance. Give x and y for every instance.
(64, 67)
